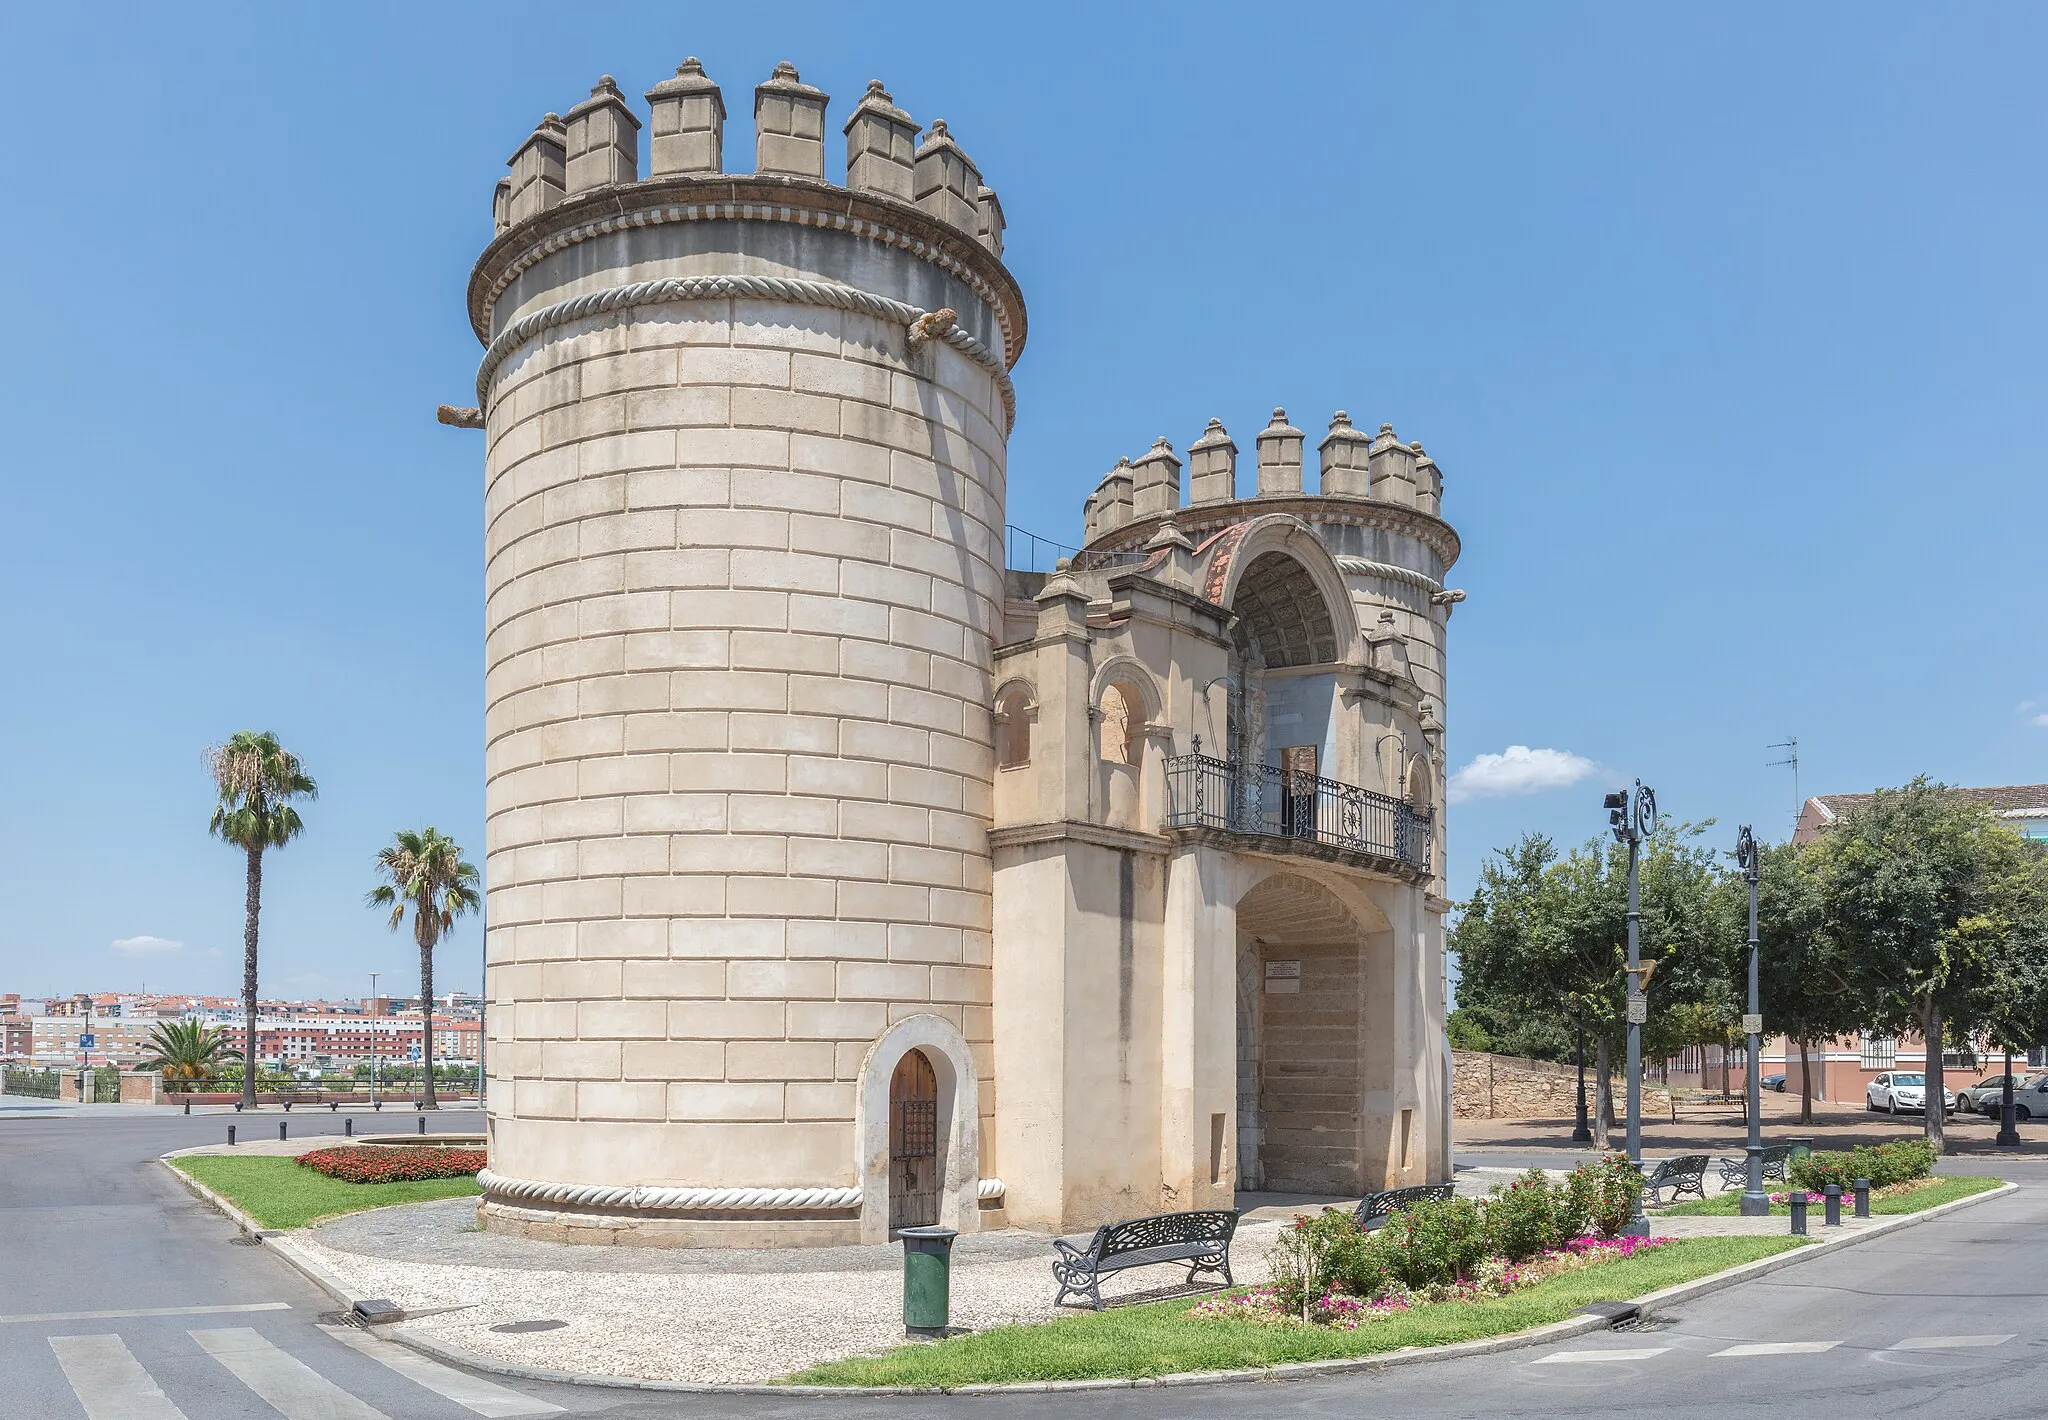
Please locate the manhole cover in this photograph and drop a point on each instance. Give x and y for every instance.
(529, 1325)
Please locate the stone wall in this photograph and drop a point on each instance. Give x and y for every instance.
(1509, 1087)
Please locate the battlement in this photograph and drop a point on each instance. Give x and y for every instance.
(598, 146)
(1352, 464)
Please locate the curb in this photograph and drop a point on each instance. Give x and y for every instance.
(1291, 1370)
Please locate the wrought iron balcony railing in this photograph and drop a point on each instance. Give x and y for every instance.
(1264, 799)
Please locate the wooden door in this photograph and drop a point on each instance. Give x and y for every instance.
(913, 1143)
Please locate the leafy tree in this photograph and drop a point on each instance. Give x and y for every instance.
(187, 1050)
(256, 780)
(1803, 977)
(1929, 897)
(426, 875)
(1544, 938)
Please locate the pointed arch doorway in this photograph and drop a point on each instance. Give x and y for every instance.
(915, 1167)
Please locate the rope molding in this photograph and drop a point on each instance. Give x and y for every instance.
(757, 212)
(712, 288)
(684, 1200)
(1361, 567)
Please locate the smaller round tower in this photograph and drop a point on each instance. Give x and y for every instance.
(744, 489)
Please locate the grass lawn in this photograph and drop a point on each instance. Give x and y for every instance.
(280, 1193)
(1162, 1339)
(1943, 1190)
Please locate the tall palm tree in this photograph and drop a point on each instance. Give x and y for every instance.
(424, 871)
(187, 1050)
(257, 779)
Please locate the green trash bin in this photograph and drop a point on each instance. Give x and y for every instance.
(927, 1279)
(1800, 1149)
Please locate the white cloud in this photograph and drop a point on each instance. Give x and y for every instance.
(2038, 720)
(144, 946)
(1519, 770)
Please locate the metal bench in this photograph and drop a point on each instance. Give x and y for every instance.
(1687, 1173)
(1375, 1208)
(1202, 1239)
(1736, 1170)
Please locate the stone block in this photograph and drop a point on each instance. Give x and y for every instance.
(918, 942)
(673, 980)
(779, 897)
(674, 1060)
(846, 779)
(813, 1100)
(883, 981)
(689, 1099)
(761, 813)
(886, 902)
(725, 1020)
(674, 895)
(779, 980)
(674, 813)
(580, 1059)
(778, 1060)
(839, 858)
(729, 937)
(618, 1020)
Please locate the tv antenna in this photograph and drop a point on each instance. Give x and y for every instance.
(1790, 744)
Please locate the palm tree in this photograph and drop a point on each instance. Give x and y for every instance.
(426, 873)
(257, 780)
(188, 1050)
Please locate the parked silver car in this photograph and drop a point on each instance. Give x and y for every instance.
(2029, 1098)
(1897, 1090)
(1988, 1096)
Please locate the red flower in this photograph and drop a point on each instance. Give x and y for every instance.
(385, 1164)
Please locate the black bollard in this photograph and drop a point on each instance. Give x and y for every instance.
(231, 1135)
(1798, 1205)
(333, 1106)
(1832, 1201)
(238, 1106)
(188, 1106)
(348, 1127)
(281, 1127)
(423, 1124)
(378, 1106)
(1863, 1198)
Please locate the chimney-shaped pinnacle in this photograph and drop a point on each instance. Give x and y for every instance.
(1345, 453)
(603, 140)
(1279, 457)
(1212, 466)
(537, 170)
(989, 209)
(501, 206)
(881, 145)
(1089, 517)
(789, 125)
(945, 181)
(1429, 483)
(1113, 498)
(1155, 481)
(1393, 468)
(688, 132)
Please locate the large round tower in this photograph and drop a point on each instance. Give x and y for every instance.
(744, 511)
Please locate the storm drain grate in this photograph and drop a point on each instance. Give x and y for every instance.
(1640, 1323)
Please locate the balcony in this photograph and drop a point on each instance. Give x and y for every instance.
(1293, 812)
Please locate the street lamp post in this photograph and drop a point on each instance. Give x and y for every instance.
(1755, 1203)
(372, 1013)
(1632, 815)
(2008, 1131)
(1582, 1132)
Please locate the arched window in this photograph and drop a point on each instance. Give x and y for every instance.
(1013, 728)
(1122, 729)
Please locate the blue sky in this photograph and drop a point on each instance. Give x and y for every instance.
(1724, 324)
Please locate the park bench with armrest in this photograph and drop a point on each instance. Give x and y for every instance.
(1201, 1239)
(1687, 1173)
(1375, 1208)
(1736, 1170)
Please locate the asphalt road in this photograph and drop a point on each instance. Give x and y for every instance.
(1934, 1320)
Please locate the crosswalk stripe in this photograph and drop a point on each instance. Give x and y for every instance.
(480, 1396)
(150, 1311)
(109, 1382)
(1578, 1358)
(1777, 1348)
(1950, 1343)
(290, 1387)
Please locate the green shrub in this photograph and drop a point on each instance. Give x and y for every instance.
(1433, 1242)
(1306, 1257)
(1893, 1162)
(1611, 1189)
(1522, 1218)
(1575, 1204)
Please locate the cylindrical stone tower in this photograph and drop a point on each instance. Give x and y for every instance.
(744, 512)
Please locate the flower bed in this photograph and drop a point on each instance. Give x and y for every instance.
(411, 1164)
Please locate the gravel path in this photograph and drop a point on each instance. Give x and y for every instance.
(699, 1315)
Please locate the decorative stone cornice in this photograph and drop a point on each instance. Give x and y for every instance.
(1021, 834)
(1198, 519)
(714, 288)
(1387, 571)
(647, 1199)
(760, 198)
(1278, 845)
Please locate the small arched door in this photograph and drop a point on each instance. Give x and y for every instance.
(913, 1143)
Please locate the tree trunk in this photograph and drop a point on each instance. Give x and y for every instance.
(427, 1100)
(252, 905)
(1936, 1113)
(1805, 1086)
(1603, 1095)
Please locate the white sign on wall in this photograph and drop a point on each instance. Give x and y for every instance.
(1283, 978)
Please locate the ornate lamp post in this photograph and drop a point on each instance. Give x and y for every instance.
(1582, 1132)
(1632, 815)
(1755, 1202)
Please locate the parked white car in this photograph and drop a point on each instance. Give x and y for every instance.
(1897, 1090)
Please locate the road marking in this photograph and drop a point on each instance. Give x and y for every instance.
(464, 1389)
(1777, 1348)
(291, 1387)
(109, 1382)
(1950, 1343)
(150, 1311)
(1575, 1358)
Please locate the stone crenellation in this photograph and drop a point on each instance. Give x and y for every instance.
(598, 146)
(1352, 464)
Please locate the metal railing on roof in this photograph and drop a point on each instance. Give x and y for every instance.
(1268, 801)
(1026, 551)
